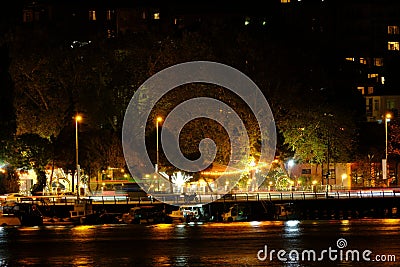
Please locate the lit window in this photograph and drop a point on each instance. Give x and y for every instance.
(144, 15)
(390, 104)
(110, 33)
(109, 14)
(92, 14)
(373, 76)
(370, 90)
(378, 61)
(361, 89)
(156, 15)
(363, 60)
(28, 16)
(350, 58)
(179, 21)
(393, 46)
(383, 80)
(285, 1)
(393, 29)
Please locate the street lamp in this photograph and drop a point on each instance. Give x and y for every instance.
(78, 118)
(290, 165)
(388, 116)
(158, 120)
(253, 179)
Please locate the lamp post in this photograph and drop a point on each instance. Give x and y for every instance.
(78, 118)
(328, 154)
(344, 176)
(158, 120)
(388, 116)
(252, 164)
(290, 165)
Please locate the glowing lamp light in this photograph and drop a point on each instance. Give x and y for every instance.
(290, 163)
(252, 163)
(180, 178)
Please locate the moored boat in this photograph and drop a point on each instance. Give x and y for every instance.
(82, 209)
(190, 213)
(144, 215)
(236, 213)
(20, 214)
(284, 211)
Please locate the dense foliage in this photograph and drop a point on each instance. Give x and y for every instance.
(316, 114)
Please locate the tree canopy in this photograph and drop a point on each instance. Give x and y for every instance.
(316, 113)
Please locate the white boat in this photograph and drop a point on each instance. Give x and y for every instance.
(236, 213)
(144, 215)
(82, 209)
(189, 213)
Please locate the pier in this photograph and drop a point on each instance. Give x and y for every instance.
(383, 203)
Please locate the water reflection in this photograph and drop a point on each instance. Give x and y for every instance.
(208, 244)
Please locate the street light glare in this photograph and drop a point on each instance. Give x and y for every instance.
(159, 119)
(291, 163)
(78, 118)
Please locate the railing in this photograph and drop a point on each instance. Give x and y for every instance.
(177, 199)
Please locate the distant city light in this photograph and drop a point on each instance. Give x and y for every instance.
(76, 44)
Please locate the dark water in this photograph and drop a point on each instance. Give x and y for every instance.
(209, 244)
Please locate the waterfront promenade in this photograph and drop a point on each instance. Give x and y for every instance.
(174, 199)
(378, 203)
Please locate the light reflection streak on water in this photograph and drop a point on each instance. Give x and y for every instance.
(244, 224)
(255, 223)
(345, 225)
(83, 261)
(28, 229)
(292, 226)
(165, 261)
